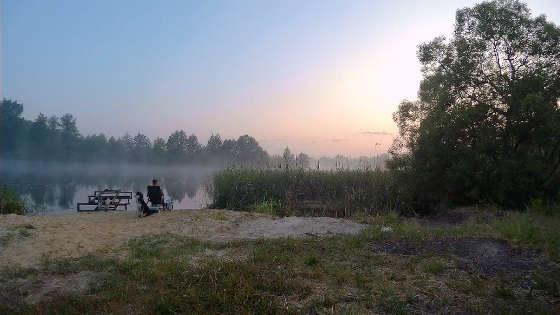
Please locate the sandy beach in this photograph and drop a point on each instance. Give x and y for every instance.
(78, 234)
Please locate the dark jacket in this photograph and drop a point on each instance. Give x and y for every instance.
(155, 195)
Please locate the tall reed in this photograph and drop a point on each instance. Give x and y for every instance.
(370, 191)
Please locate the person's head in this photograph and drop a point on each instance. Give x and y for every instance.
(154, 182)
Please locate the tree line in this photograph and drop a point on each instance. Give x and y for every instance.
(58, 139)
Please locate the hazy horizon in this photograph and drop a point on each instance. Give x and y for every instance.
(320, 77)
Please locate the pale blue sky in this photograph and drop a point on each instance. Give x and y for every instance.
(314, 75)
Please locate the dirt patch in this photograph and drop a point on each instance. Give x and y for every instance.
(453, 217)
(446, 218)
(32, 290)
(292, 227)
(107, 233)
(484, 255)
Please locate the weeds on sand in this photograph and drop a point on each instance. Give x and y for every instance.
(339, 274)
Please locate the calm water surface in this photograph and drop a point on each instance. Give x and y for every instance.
(55, 188)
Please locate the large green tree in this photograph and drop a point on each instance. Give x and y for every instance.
(176, 145)
(12, 128)
(486, 126)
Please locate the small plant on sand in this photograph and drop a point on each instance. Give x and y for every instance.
(503, 292)
(311, 260)
(218, 216)
(434, 267)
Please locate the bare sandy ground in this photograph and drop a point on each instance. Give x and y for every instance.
(78, 234)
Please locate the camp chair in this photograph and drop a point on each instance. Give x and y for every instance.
(155, 197)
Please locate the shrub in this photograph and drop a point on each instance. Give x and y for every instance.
(10, 202)
(546, 208)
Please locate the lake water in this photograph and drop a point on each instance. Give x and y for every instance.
(54, 188)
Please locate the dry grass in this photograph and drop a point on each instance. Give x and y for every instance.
(342, 274)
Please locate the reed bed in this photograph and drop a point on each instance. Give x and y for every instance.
(299, 191)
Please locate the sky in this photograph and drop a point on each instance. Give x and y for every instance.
(322, 77)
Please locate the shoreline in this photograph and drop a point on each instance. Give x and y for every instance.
(30, 239)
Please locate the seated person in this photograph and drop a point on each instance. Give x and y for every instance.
(155, 194)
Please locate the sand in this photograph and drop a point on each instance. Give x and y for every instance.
(78, 234)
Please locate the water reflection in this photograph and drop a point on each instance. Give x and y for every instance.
(51, 187)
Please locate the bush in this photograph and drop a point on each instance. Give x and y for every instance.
(285, 191)
(10, 202)
(546, 208)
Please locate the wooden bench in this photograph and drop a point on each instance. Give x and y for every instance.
(108, 199)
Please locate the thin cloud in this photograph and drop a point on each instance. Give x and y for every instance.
(337, 140)
(376, 133)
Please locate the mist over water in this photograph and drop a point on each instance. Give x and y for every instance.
(54, 187)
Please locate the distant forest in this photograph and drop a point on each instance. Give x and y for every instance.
(58, 139)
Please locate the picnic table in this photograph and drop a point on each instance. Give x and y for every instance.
(108, 199)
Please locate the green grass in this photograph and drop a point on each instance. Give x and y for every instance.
(168, 274)
(15, 233)
(284, 192)
(434, 266)
(218, 216)
(532, 229)
(267, 207)
(538, 231)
